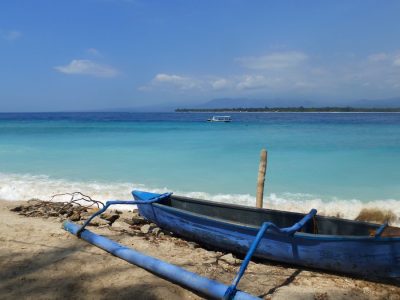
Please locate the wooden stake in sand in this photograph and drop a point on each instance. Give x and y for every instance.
(261, 178)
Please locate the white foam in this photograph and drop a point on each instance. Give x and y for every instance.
(15, 187)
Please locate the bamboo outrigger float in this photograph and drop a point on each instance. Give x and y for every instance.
(308, 240)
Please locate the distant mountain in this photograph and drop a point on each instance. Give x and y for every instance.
(258, 103)
(277, 102)
(390, 102)
(244, 102)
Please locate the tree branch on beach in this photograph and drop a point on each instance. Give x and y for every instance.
(75, 208)
(81, 198)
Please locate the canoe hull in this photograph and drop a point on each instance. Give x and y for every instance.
(365, 256)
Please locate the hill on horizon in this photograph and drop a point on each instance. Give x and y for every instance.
(277, 102)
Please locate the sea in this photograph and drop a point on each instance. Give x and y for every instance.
(338, 163)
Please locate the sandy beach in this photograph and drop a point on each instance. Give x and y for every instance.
(39, 260)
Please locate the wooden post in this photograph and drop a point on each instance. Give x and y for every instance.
(261, 178)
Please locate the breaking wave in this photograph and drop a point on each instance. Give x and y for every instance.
(15, 187)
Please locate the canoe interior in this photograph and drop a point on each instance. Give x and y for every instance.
(254, 217)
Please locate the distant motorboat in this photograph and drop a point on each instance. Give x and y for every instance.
(220, 119)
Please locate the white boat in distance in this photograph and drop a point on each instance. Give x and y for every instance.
(220, 119)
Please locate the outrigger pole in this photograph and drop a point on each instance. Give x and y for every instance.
(191, 281)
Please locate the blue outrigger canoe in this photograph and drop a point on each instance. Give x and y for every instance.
(327, 243)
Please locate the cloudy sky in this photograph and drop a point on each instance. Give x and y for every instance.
(100, 54)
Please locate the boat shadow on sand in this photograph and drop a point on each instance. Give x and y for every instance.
(78, 271)
(75, 272)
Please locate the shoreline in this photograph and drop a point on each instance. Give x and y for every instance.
(198, 112)
(286, 112)
(41, 260)
(27, 186)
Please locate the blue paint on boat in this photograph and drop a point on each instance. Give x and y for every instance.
(373, 256)
(199, 284)
(260, 234)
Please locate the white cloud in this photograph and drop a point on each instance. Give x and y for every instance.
(296, 73)
(303, 84)
(392, 58)
(377, 57)
(185, 83)
(258, 82)
(251, 82)
(372, 77)
(180, 82)
(161, 77)
(273, 61)
(396, 61)
(94, 52)
(10, 35)
(144, 88)
(220, 83)
(87, 67)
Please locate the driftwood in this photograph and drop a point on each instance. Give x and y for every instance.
(78, 196)
(78, 207)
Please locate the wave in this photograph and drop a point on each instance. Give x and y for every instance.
(15, 187)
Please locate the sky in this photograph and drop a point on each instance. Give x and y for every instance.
(83, 55)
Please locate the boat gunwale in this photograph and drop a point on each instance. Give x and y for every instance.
(303, 235)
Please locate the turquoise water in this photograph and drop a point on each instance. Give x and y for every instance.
(324, 157)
